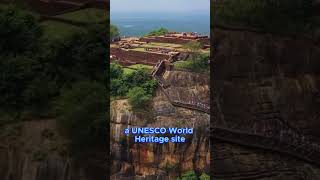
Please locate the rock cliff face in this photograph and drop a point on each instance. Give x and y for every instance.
(34, 150)
(150, 161)
(254, 71)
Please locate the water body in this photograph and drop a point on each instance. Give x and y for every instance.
(135, 24)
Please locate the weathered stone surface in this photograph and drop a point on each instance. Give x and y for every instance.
(151, 161)
(255, 72)
(34, 150)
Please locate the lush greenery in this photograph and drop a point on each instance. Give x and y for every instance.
(294, 16)
(114, 32)
(198, 61)
(199, 64)
(55, 30)
(193, 47)
(20, 37)
(62, 79)
(138, 97)
(191, 175)
(139, 66)
(82, 113)
(89, 15)
(204, 176)
(158, 32)
(19, 31)
(137, 85)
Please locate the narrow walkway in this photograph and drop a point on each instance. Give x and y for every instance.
(157, 73)
(283, 138)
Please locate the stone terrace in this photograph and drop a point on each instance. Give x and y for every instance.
(177, 38)
(151, 50)
(127, 57)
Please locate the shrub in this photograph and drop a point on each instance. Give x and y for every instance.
(81, 112)
(204, 176)
(190, 175)
(199, 64)
(19, 31)
(16, 73)
(136, 78)
(114, 32)
(116, 71)
(126, 84)
(158, 32)
(193, 47)
(138, 97)
(118, 87)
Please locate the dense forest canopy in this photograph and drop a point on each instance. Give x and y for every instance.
(137, 86)
(63, 79)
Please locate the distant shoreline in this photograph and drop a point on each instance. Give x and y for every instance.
(135, 31)
(139, 24)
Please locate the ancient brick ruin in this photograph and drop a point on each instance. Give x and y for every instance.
(123, 52)
(178, 38)
(127, 58)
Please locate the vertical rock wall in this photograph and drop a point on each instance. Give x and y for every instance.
(252, 70)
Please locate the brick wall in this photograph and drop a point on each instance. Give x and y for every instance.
(136, 57)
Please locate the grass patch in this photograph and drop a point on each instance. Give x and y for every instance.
(138, 49)
(183, 64)
(139, 66)
(133, 68)
(128, 70)
(90, 15)
(206, 52)
(58, 30)
(168, 45)
(199, 65)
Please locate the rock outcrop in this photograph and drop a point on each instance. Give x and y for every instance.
(34, 150)
(151, 161)
(265, 83)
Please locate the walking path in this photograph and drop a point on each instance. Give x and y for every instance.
(270, 131)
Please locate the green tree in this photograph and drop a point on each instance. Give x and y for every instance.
(16, 73)
(116, 71)
(118, 88)
(204, 176)
(158, 32)
(190, 175)
(19, 31)
(198, 62)
(194, 48)
(82, 113)
(90, 52)
(38, 95)
(136, 78)
(81, 56)
(138, 86)
(149, 86)
(138, 97)
(114, 32)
